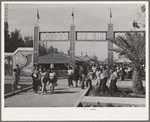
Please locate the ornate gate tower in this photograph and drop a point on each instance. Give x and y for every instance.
(110, 35)
(36, 43)
(72, 39)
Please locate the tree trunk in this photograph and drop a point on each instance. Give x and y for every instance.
(137, 86)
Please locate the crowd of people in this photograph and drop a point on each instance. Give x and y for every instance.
(41, 78)
(124, 72)
(82, 75)
(86, 73)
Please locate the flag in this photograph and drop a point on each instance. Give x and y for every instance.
(72, 15)
(38, 16)
(110, 14)
(143, 8)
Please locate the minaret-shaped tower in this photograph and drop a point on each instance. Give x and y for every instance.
(72, 38)
(36, 40)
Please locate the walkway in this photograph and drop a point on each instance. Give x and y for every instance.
(63, 96)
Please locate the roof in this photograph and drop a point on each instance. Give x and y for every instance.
(56, 58)
(85, 58)
(9, 54)
(123, 60)
(23, 49)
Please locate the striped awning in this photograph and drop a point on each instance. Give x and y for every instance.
(123, 60)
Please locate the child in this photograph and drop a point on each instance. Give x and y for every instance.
(69, 73)
(112, 82)
(15, 80)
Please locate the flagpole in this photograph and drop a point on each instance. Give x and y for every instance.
(72, 16)
(110, 15)
(37, 18)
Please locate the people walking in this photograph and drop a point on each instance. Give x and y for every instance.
(104, 80)
(84, 74)
(44, 79)
(98, 79)
(122, 73)
(15, 79)
(115, 81)
(94, 72)
(118, 71)
(112, 82)
(129, 72)
(52, 81)
(18, 73)
(35, 77)
(69, 73)
(76, 74)
(88, 78)
(80, 74)
(41, 69)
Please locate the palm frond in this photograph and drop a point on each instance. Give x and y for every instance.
(132, 45)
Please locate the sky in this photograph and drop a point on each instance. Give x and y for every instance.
(88, 16)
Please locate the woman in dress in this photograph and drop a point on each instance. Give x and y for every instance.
(44, 79)
(112, 82)
(36, 79)
(84, 74)
(105, 75)
(15, 80)
(98, 80)
(52, 81)
(76, 74)
(89, 78)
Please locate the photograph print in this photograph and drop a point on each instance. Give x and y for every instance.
(75, 57)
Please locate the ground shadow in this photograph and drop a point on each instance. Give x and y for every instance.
(122, 92)
(8, 87)
(64, 92)
(60, 88)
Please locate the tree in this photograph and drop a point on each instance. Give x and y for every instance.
(52, 50)
(28, 41)
(16, 40)
(42, 49)
(7, 37)
(132, 46)
(95, 59)
(8, 62)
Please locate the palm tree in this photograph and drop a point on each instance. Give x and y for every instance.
(132, 46)
(8, 63)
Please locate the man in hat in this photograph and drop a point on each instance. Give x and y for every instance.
(18, 73)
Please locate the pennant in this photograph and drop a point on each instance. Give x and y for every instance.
(72, 15)
(38, 16)
(110, 14)
(143, 8)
